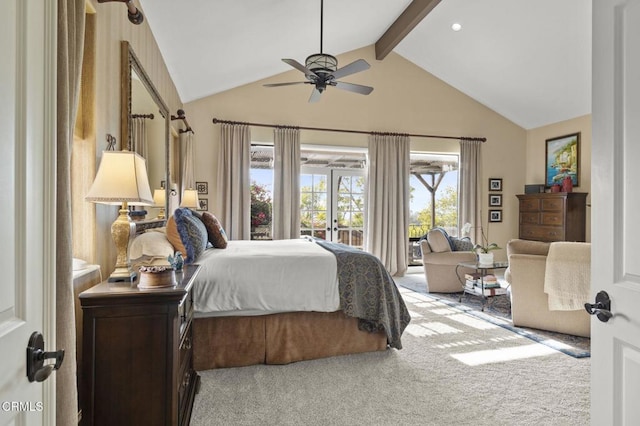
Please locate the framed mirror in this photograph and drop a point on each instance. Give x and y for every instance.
(144, 123)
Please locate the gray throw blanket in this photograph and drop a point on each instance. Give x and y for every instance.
(367, 292)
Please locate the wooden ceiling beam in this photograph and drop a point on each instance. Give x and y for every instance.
(407, 21)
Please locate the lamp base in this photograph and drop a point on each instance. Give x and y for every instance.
(121, 231)
(123, 276)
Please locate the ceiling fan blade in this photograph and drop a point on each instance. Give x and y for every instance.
(355, 88)
(315, 95)
(352, 68)
(284, 84)
(297, 65)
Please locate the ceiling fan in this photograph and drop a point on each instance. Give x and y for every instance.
(322, 71)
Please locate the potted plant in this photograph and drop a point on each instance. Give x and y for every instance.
(484, 250)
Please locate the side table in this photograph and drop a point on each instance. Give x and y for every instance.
(479, 288)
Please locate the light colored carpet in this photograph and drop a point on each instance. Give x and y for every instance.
(454, 369)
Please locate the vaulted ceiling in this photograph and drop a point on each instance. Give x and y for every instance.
(529, 61)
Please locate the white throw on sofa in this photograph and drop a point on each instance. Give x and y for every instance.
(565, 263)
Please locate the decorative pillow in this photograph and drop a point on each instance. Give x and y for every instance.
(152, 244)
(461, 244)
(216, 233)
(191, 231)
(438, 240)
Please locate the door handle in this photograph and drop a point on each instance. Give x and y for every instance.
(602, 307)
(36, 370)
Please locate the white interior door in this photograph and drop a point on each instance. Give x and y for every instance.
(27, 143)
(615, 364)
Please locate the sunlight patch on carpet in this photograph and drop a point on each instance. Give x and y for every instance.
(476, 323)
(450, 345)
(430, 329)
(503, 355)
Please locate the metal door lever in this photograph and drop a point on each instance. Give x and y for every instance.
(36, 370)
(602, 307)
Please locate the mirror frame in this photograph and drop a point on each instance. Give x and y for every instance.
(129, 61)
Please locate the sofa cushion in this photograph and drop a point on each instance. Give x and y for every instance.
(438, 240)
(461, 244)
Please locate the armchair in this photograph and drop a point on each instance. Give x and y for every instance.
(529, 302)
(440, 263)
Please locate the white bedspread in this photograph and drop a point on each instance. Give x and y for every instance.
(261, 277)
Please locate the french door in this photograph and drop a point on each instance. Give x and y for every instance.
(333, 204)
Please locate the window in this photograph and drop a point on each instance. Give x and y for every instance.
(261, 175)
(434, 193)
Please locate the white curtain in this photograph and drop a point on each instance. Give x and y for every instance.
(286, 183)
(70, 43)
(234, 194)
(470, 173)
(387, 225)
(188, 178)
(139, 136)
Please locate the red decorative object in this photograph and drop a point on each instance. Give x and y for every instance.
(555, 188)
(567, 184)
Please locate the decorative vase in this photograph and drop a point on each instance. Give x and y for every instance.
(555, 188)
(485, 258)
(567, 184)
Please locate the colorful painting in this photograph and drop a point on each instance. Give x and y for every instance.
(562, 159)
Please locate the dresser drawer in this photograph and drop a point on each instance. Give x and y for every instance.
(530, 205)
(185, 312)
(542, 233)
(552, 204)
(551, 218)
(529, 218)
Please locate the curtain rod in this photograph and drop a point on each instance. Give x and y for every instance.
(182, 117)
(323, 129)
(149, 116)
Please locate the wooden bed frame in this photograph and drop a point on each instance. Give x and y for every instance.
(278, 339)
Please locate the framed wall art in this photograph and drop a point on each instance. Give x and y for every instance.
(562, 159)
(495, 200)
(495, 184)
(495, 215)
(203, 204)
(202, 187)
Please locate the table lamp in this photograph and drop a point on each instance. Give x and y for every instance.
(190, 199)
(160, 200)
(121, 180)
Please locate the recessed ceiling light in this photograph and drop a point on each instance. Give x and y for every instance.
(456, 26)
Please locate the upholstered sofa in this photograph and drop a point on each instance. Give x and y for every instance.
(528, 261)
(440, 261)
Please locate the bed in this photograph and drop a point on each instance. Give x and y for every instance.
(277, 302)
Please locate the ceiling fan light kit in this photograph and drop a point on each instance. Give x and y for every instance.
(321, 70)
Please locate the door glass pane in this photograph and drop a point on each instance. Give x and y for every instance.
(313, 204)
(261, 175)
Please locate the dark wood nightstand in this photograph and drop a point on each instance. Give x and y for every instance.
(137, 354)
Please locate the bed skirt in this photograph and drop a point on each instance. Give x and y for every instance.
(278, 339)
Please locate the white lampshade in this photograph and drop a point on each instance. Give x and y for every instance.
(190, 199)
(159, 197)
(121, 178)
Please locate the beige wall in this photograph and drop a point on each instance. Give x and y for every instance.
(112, 26)
(405, 99)
(535, 155)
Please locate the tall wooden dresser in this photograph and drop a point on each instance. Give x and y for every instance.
(556, 216)
(137, 354)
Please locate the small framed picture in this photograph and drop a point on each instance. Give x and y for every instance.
(495, 215)
(163, 184)
(495, 184)
(202, 187)
(203, 204)
(495, 200)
